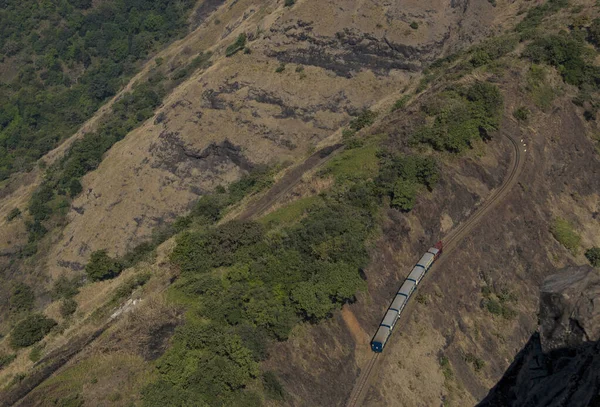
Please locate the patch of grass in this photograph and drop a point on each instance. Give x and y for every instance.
(446, 368)
(290, 213)
(564, 232)
(35, 354)
(400, 103)
(105, 371)
(357, 163)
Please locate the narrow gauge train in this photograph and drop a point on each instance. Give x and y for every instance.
(410, 284)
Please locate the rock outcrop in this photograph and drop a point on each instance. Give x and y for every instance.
(560, 365)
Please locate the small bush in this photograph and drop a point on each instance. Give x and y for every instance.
(289, 3)
(366, 118)
(280, 68)
(477, 363)
(521, 113)
(31, 330)
(238, 45)
(563, 231)
(414, 25)
(66, 288)
(21, 298)
(14, 213)
(6, 359)
(593, 256)
(102, 267)
(68, 307)
(493, 307)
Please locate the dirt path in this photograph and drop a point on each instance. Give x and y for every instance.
(451, 242)
(289, 181)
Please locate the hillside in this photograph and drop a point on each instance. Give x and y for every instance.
(230, 222)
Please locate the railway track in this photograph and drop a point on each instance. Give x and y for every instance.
(451, 241)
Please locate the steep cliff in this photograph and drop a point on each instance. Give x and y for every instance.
(560, 364)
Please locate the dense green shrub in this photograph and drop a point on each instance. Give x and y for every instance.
(31, 330)
(563, 231)
(238, 45)
(404, 195)
(102, 267)
(289, 3)
(593, 256)
(22, 298)
(414, 25)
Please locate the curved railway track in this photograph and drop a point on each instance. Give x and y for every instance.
(450, 243)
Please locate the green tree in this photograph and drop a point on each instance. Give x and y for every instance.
(405, 195)
(31, 330)
(102, 267)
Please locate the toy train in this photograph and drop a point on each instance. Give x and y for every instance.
(410, 284)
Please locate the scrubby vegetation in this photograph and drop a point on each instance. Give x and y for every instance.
(462, 115)
(62, 182)
(22, 298)
(30, 330)
(498, 303)
(6, 359)
(72, 56)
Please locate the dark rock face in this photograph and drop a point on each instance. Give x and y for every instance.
(570, 308)
(560, 366)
